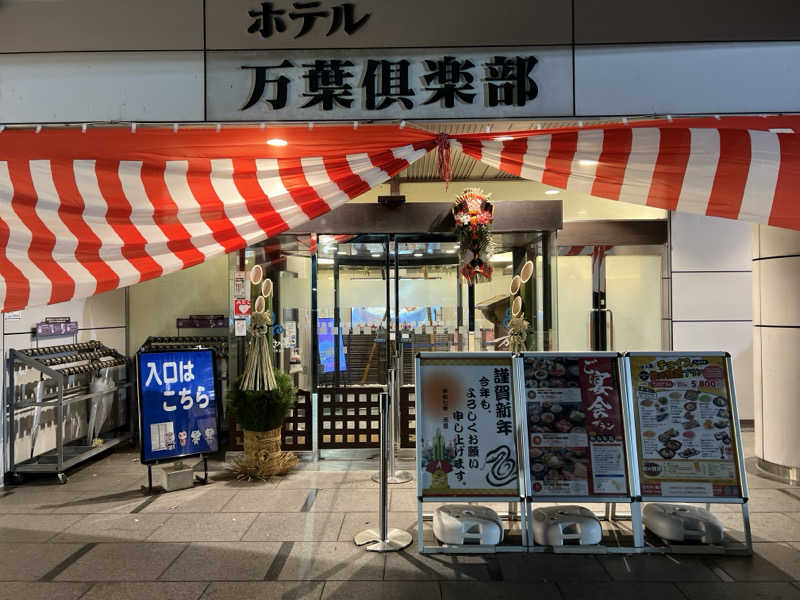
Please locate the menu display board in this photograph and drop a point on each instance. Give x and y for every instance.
(684, 425)
(574, 425)
(466, 441)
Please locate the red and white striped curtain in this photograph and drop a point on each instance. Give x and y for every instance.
(87, 212)
(744, 168)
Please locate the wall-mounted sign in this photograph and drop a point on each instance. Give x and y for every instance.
(291, 335)
(287, 24)
(466, 432)
(687, 438)
(574, 425)
(389, 84)
(241, 307)
(177, 404)
(240, 284)
(240, 327)
(201, 322)
(56, 327)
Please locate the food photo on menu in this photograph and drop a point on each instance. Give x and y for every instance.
(574, 427)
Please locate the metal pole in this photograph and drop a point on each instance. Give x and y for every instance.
(385, 539)
(314, 362)
(385, 455)
(393, 401)
(394, 398)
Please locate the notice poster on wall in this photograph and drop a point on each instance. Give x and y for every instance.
(466, 442)
(684, 426)
(575, 431)
(177, 404)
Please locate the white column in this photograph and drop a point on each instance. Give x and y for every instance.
(776, 348)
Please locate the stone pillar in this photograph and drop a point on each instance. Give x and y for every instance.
(776, 349)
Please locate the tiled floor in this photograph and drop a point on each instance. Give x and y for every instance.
(99, 538)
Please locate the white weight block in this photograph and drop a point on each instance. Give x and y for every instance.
(467, 524)
(560, 525)
(683, 523)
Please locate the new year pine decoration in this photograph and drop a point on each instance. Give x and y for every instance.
(261, 401)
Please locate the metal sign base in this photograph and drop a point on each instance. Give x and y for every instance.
(396, 540)
(398, 477)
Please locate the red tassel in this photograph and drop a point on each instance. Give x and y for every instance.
(443, 158)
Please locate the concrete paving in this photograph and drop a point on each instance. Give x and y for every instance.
(99, 537)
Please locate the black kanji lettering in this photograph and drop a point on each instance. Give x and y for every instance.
(260, 82)
(504, 427)
(508, 80)
(452, 81)
(326, 84)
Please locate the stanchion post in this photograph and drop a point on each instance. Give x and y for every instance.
(386, 447)
(393, 476)
(385, 539)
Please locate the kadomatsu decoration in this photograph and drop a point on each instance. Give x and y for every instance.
(260, 400)
(473, 217)
(437, 460)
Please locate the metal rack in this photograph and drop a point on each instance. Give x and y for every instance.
(56, 377)
(218, 343)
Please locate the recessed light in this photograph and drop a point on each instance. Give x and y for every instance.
(376, 254)
(418, 254)
(503, 138)
(587, 163)
(451, 251)
(277, 142)
(552, 192)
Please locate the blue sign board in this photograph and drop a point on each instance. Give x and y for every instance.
(177, 404)
(326, 345)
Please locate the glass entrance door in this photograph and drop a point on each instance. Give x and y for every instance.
(353, 328)
(610, 297)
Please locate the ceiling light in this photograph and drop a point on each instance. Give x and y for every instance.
(376, 255)
(503, 138)
(587, 163)
(324, 261)
(341, 252)
(451, 251)
(277, 142)
(504, 257)
(417, 254)
(552, 192)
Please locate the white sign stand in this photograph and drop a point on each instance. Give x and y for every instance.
(513, 501)
(741, 500)
(610, 500)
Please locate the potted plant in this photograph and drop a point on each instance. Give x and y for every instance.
(260, 400)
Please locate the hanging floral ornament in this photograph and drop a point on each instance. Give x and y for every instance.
(473, 217)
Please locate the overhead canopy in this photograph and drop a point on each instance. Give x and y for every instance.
(86, 212)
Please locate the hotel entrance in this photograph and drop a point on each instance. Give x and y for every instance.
(352, 309)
